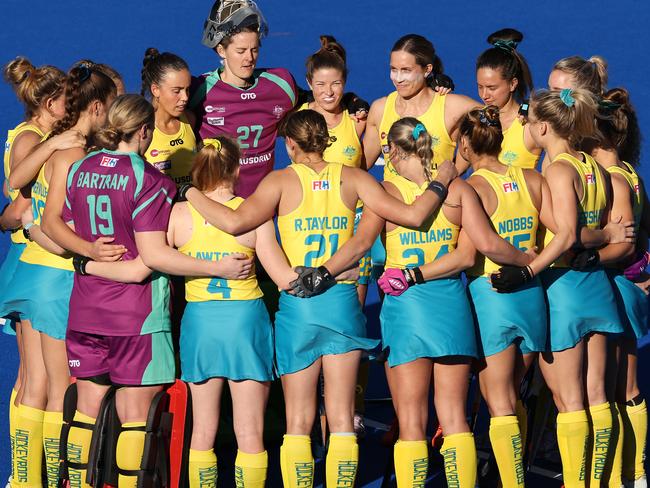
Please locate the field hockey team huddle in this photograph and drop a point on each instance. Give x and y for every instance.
(111, 194)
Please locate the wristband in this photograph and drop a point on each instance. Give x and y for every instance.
(438, 188)
(26, 228)
(181, 194)
(408, 277)
(419, 278)
(79, 264)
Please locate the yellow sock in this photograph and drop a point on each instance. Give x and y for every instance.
(572, 440)
(505, 438)
(459, 453)
(13, 411)
(297, 462)
(78, 448)
(411, 463)
(250, 469)
(52, 422)
(614, 468)
(203, 469)
(522, 418)
(601, 432)
(342, 460)
(635, 426)
(28, 446)
(130, 446)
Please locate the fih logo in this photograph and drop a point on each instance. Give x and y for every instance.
(320, 185)
(108, 162)
(589, 178)
(510, 186)
(248, 96)
(176, 142)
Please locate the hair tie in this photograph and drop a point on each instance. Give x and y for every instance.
(26, 75)
(567, 98)
(505, 45)
(215, 143)
(609, 105)
(84, 72)
(482, 116)
(418, 130)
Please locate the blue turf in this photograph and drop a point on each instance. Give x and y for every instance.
(118, 32)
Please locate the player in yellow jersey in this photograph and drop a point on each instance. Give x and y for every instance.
(327, 75)
(512, 326)
(504, 80)
(414, 66)
(44, 279)
(618, 153)
(581, 301)
(166, 78)
(416, 254)
(315, 202)
(40, 91)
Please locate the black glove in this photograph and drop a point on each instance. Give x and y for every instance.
(509, 278)
(443, 81)
(79, 264)
(354, 104)
(311, 281)
(181, 194)
(585, 259)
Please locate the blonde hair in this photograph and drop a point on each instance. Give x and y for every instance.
(33, 85)
(402, 136)
(590, 74)
(216, 164)
(572, 122)
(127, 115)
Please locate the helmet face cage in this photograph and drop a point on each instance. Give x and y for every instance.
(227, 16)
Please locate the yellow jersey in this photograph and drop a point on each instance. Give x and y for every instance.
(322, 223)
(515, 219)
(632, 179)
(33, 253)
(593, 202)
(513, 148)
(173, 154)
(16, 236)
(208, 242)
(433, 119)
(408, 247)
(346, 149)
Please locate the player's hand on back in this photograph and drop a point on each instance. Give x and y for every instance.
(103, 250)
(236, 266)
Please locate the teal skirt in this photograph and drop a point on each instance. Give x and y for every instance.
(579, 303)
(7, 272)
(632, 305)
(41, 295)
(308, 328)
(226, 339)
(430, 320)
(503, 319)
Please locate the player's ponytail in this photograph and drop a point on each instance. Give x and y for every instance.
(83, 85)
(590, 74)
(482, 128)
(409, 137)
(570, 113)
(216, 164)
(127, 115)
(109, 71)
(156, 65)
(505, 57)
(33, 86)
(619, 126)
(330, 55)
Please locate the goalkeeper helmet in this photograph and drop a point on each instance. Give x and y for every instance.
(227, 16)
